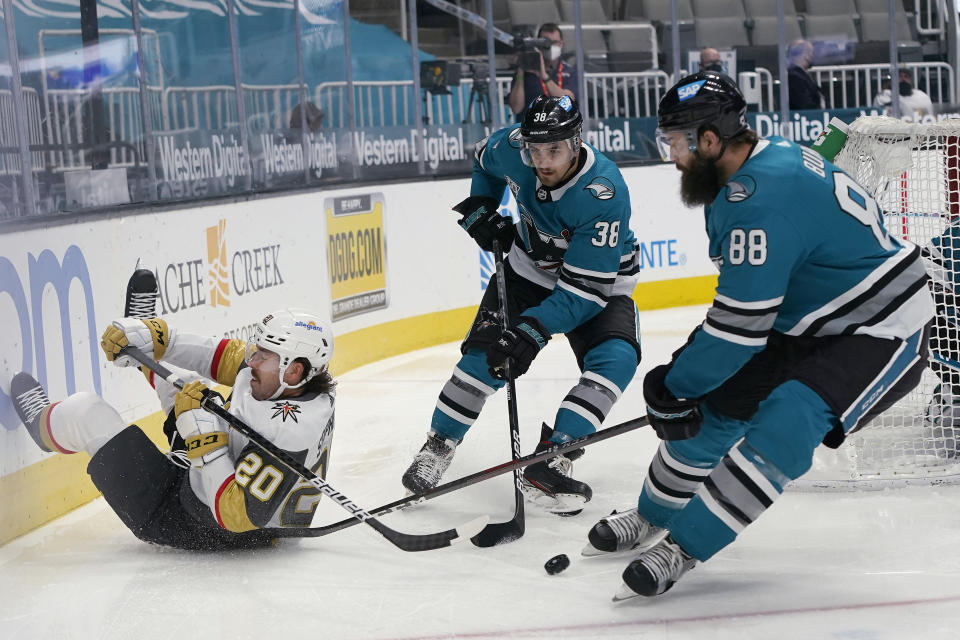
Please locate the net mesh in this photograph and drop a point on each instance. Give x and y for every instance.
(913, 172)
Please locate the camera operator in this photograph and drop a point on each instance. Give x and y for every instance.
(550, 76)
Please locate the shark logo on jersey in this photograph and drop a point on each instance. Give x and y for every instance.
(546, 250)
(601, 188)
(512, 185)
(285, 410)
(687, 91)
(514, 138)
(740, 189)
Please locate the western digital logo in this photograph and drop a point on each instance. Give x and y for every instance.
(687, 91)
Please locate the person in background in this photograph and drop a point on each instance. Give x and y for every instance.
(710, 60)
(552, 77)
(913, 102)
(804, 92)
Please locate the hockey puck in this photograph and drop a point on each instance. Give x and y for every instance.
(556, 564)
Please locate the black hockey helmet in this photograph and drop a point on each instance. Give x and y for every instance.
(704, 99)
(551, 119)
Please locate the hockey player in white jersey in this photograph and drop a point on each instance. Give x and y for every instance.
(227, 491)
(571, 268)
(820, 321)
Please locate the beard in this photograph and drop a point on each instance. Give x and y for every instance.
(699, 183)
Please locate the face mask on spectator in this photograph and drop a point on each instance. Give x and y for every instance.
(905, 88)
(715, 65)
(555, 51)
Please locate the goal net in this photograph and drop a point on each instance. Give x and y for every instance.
(913, 172)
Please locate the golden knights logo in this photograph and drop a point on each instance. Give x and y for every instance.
(285, 410)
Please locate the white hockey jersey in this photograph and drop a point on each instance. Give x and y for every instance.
(249, 488)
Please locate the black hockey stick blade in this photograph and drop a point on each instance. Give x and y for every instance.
(466, 481)
(404, 541)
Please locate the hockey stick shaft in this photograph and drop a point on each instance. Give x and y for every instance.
(474, 478)
(407, 542)
(497, 532)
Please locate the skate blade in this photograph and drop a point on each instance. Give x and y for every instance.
(625, 593)
(590, 551)
(561, 504)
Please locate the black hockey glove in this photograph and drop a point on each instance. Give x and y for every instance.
(521, 343)
(483, 223)
(670, 417)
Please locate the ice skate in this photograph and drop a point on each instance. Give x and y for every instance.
(549, 485)
(429, 464)
(29, 399)
(620, 532)
(142, 293)
(655, 571)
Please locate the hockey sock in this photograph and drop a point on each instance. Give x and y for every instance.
(463, 396)
(680, 466)
(608, 369)
(778, 447)
(84, 421)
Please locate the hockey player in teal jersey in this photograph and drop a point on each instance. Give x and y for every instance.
(820, 321)
(571, 268)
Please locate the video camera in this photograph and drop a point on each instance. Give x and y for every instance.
(437, 75)
(528, 57)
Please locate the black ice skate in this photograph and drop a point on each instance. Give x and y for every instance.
(619, 532)
(655, 571)
(29, 399)
(429, 464)
(142, 293)
(548, 484)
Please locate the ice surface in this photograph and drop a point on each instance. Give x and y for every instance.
(874, 566)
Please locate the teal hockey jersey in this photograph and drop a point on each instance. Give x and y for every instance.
(802, 250)
(574, 238)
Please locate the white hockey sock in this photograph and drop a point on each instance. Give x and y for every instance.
(84, 421)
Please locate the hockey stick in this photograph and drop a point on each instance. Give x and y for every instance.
(466, 481)
(405, 541)
(500, 532)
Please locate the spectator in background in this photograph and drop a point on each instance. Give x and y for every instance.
(314, 117)
(551, 77)
(710, 60)
(913, 102)
(804, 92)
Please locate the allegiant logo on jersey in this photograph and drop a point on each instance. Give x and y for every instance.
(183, 286)
(49, 284)
(687, 91)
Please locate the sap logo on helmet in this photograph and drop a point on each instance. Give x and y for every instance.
(687, 91)
(740, 189)
(601, 188)
(565, 103)
(312, 326)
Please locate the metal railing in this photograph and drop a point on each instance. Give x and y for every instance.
(10, 157)
(928, 16)
(624, 95)
(850, 86)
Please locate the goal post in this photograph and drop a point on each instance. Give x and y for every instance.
(913, 172)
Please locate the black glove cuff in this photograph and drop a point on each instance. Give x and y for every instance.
(539, 335)
(471, 204)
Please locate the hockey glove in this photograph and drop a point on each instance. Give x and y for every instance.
(672, 418)
(483, 223)
(151, 336)
(520, 343)
(205, 435)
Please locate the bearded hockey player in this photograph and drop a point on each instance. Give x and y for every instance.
(571, 269)
(820, 322)
(225, 489)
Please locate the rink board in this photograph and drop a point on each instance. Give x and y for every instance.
(395, 269)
